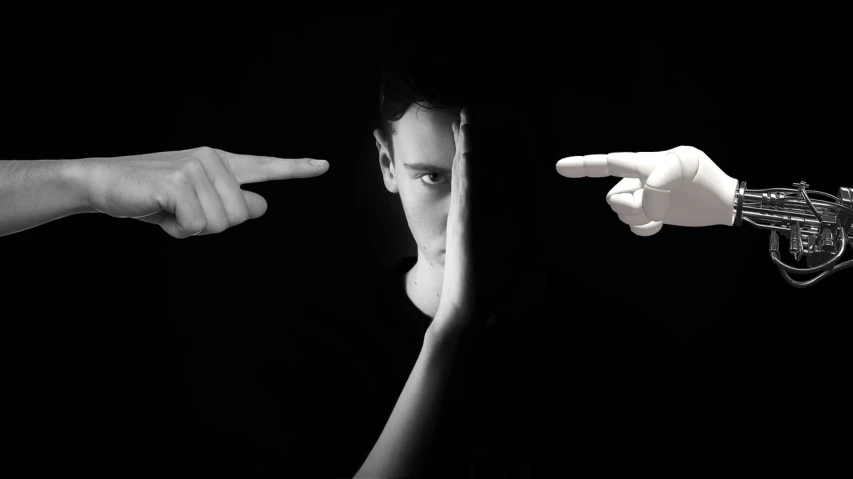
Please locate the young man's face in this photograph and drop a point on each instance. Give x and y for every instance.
(423, 152)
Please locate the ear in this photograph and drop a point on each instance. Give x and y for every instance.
(385, 162)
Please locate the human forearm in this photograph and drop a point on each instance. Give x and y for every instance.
(405, 444)
(35, 192)
(400, 449)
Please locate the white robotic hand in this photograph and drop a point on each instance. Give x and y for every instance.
(681, 186)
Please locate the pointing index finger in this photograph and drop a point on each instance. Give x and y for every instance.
(624, 165)
(634, 165)
(256, 169)
(593, 166)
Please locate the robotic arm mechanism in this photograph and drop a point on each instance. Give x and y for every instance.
(683, 187)
(819, 229)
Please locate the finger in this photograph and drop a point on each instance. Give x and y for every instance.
(647, 229)
(656, 195)
(459, 176)
(216, 217)
(464, 116)
(226, 186)
(460, 186)
(187, 218)
(463, 158)
(656, 203)
(634, 165)
(634, 220)
(629, 204)
(625, 185)
(592, 166)
(256, 203)
(463, 137)
(255, 169)
(621, 197)
(668, 174)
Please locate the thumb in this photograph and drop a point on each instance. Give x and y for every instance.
(656, 193)
(256, 203)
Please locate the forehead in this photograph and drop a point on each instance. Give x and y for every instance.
(425, 136)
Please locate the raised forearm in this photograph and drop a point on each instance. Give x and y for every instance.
(35, 192)
(400, 450)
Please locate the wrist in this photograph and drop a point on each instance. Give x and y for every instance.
(77, 176)
(721, 190)
(737, 204)
(446, 329)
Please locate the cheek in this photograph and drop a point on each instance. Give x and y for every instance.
(426, 213)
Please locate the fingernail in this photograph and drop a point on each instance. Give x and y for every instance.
(319, 162)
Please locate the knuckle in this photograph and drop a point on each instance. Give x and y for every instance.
(612, 198)
(179, 176)
(203, 151)
(161, 198)
(637, 199)
(685, 150)
(192, 166)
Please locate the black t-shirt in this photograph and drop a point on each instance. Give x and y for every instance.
(567, 382)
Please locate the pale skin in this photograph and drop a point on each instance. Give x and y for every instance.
(188, 193)
(195, 192)
(439, 211)
(441, 282)
(420, 172)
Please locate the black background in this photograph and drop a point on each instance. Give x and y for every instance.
(100, 313)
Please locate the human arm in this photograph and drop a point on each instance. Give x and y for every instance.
(188, 192)
(35, 192)
(401, 448)
(403, 445)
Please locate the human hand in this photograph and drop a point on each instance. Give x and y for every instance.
(456, 307)
(190, 192)
(681, 187)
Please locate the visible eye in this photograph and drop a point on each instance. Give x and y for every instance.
(433, 178)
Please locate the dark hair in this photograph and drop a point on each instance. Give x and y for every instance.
(454, 63)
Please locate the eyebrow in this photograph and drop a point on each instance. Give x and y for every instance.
(426, 167)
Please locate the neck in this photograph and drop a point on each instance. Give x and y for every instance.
(423, 285)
